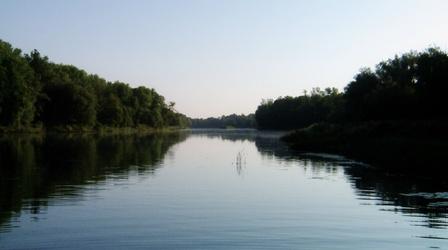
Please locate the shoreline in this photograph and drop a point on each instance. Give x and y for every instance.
(86, 130)
(393, 145)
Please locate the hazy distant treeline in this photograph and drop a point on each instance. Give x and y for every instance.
(35, 92)
(412, 86)
(229, 121)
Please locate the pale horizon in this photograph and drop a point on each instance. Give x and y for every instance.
(218, 58)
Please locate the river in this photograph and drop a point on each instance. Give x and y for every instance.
(207, 189)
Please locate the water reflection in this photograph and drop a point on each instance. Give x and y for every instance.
(36, 170)
(396, 193)
(423, 197)
(240, 162)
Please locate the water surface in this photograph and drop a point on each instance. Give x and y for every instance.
(207, 189)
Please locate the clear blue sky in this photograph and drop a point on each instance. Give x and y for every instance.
(220, 57)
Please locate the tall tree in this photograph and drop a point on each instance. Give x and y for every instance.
(18, 88)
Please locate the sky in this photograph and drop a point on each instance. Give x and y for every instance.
(215, 58)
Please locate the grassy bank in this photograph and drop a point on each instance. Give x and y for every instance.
(392, 144)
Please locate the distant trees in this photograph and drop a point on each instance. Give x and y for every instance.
(35, 91)
(296, 112)
(412, 86)
(229, 121)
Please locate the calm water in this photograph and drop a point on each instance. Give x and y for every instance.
(206, 190)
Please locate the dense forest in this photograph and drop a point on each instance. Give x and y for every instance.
(394, 116)
(298, 112)
(408, 87)
(228, 121)
(37, 93)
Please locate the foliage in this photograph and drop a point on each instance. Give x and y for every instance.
(408, 87)
(408, 145)
(296, 112)
(35, 91)
(18, 88)
(229, 121)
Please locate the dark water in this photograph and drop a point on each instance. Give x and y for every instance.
(207, 190)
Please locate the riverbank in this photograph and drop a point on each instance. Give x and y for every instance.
(74, 129)
(400, 145)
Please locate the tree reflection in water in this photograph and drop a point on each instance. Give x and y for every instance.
(36, 170)
(391, 191)
(394, 192)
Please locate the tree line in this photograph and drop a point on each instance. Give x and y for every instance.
(225, 121)
(411, 86)
(35, 92)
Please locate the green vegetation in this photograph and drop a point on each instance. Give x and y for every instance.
(394, 115)
(229, 121)
(36, 93)
(407, 87)
(298, 112)
(393, 144)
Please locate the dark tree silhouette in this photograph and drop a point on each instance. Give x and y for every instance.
(36, 92)
(408, 87)
(229, 121)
